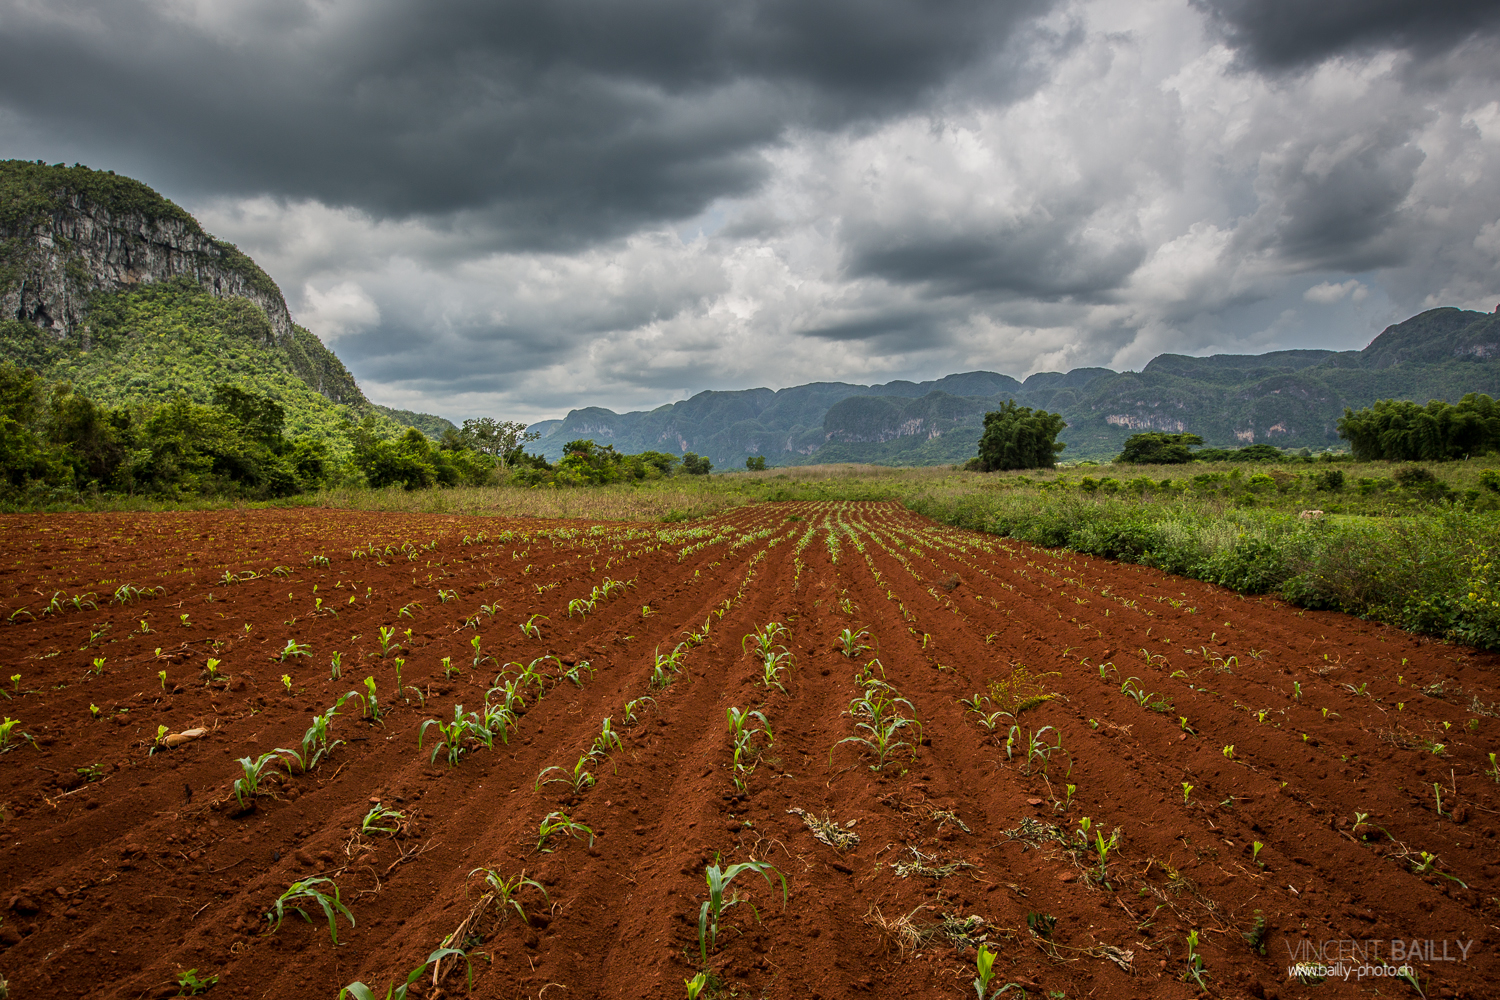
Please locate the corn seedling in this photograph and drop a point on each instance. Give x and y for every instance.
(713, 908)
(1229, 751)
(294, 649)
(851, 643)
(559, 822)
(336, 667)
(574, 673)
(315, 745)
(305, 890)
(504, 891)
(210, 671)
(452, 735)
(448, 668)
(1437, 795)
(444, 596)
(1255, 850)
(98, 667)
(634, 706)
(763, 639)
(695, 986)
(189, 985)
(1196, 972)
(607, 739)
(161, 675)
(369, 702)
(247, 786)
(580, 779)
(480, 657)
(1187, 790)
(1493, 770)
(382, 820)
(9, 734)
(984, 965)
(387, 633)
(94, 710)
(531, 629)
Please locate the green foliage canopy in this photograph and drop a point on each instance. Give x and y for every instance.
(1018, 437)
(1157, 448)
(1401, 430)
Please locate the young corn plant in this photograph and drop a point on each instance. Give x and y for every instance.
(10, 736)
(294, 649)
(607, 739)
(559, 822)
(714, 907)
(764, 639)
(1196, 971)
(307, 891)
(247, 786)
(381, 819)
(506, 890)
(451, 736)
(852, 643)
(581, 779)
(634, 707)
(315, 745)
(480, 657)
(531, 629)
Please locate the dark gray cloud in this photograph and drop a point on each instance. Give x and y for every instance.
(545, 124)
(1285, 34)
(514, 208)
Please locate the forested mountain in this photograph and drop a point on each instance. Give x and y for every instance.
(109, 286)
(1291, 399)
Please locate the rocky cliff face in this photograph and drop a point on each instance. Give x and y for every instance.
(70, 233)
(59, 258)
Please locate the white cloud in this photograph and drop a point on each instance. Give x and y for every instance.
(1326, 293)
(345, 308)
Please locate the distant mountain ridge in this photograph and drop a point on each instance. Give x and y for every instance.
(1286, 398)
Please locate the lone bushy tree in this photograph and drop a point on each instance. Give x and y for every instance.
(1018, 437)
(1156, 448)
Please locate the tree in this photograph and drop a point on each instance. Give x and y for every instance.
(1018, 437)
(695, 465)
(756, 464)
(1156, 448)
(1400, 430)
(502, 440)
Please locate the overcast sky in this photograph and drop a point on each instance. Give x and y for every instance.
(487, 207)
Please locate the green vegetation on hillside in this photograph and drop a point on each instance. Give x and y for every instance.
(156, 342)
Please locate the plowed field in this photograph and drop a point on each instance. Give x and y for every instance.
(1230, 759)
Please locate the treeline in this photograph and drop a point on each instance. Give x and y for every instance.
(54, 440)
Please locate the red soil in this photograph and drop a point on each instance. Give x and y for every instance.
(110, 886)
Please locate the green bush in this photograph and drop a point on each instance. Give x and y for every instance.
(1018, 437)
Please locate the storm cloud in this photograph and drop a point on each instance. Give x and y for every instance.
(514, 209)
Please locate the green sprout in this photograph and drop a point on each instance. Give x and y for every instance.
(713, 908)
(286, 682)
(559, 822)
(359, 991)
(305, 889)
(381, 819)
(295, 648)
(1187, 790)
(1196, 972)
(189, 985)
